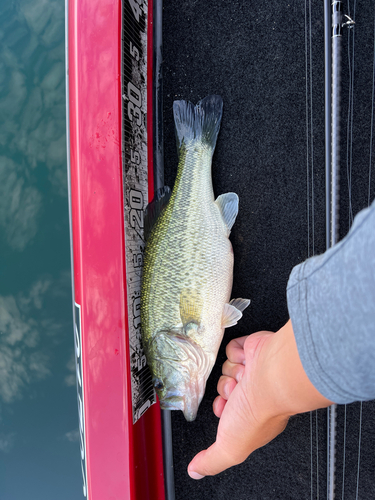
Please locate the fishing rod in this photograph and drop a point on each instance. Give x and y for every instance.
(334, 22)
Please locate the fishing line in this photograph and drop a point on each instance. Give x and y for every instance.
(311, 455)
(313, 226)
(349, 166)
(312, 136)
(348, 129)
(359, 448)
(351, 61)
(348, 173)
(368, 204)
(307, 134)
(317, 453)
(344, 457)
(310, 211)
(352, 30)
(351, 37)
(372, 124)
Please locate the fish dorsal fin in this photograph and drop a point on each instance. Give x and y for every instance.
(200, 123)
(240, 304)
(228, 206)
(154, 209)
(190, 309)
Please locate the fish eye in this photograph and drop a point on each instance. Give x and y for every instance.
(158, 384)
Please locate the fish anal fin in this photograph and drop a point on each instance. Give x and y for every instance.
(231, 315)
(154, 209)
(228, 206)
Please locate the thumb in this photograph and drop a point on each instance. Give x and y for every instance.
(233, 440)
(215, 459)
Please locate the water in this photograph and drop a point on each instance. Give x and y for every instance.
(39, 448)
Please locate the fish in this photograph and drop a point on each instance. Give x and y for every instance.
(188, 266)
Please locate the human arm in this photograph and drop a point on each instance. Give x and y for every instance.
(331, 301)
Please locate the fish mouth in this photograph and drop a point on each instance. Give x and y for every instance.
(172, 403)
(179, 403)
(190, 414)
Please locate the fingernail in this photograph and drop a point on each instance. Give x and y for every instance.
(195, 475)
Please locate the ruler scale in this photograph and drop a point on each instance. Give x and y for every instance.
(135, 184)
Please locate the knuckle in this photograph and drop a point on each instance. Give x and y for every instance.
(228, 348)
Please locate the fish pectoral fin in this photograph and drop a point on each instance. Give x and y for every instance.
(228, 206)
(190, 308)
(231, 315)
(154, 209)
(240, 304)
(191, 328)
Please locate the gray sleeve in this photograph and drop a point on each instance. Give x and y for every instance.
(331, 302)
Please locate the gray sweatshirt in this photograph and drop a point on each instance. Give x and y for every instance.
(331, 302)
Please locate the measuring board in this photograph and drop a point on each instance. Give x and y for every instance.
(135, 188)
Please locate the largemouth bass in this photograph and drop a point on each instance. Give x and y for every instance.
(188, 266)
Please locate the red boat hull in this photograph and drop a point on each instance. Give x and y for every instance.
(120, 460)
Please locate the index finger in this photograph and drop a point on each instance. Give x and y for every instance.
(235, 352)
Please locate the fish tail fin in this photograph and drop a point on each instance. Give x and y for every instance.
(200, 123)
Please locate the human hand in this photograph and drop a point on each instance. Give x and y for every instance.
(245, 421)
(262, 385)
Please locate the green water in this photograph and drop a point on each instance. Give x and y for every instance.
(39, 448)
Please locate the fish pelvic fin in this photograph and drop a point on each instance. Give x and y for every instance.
(200, 123)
